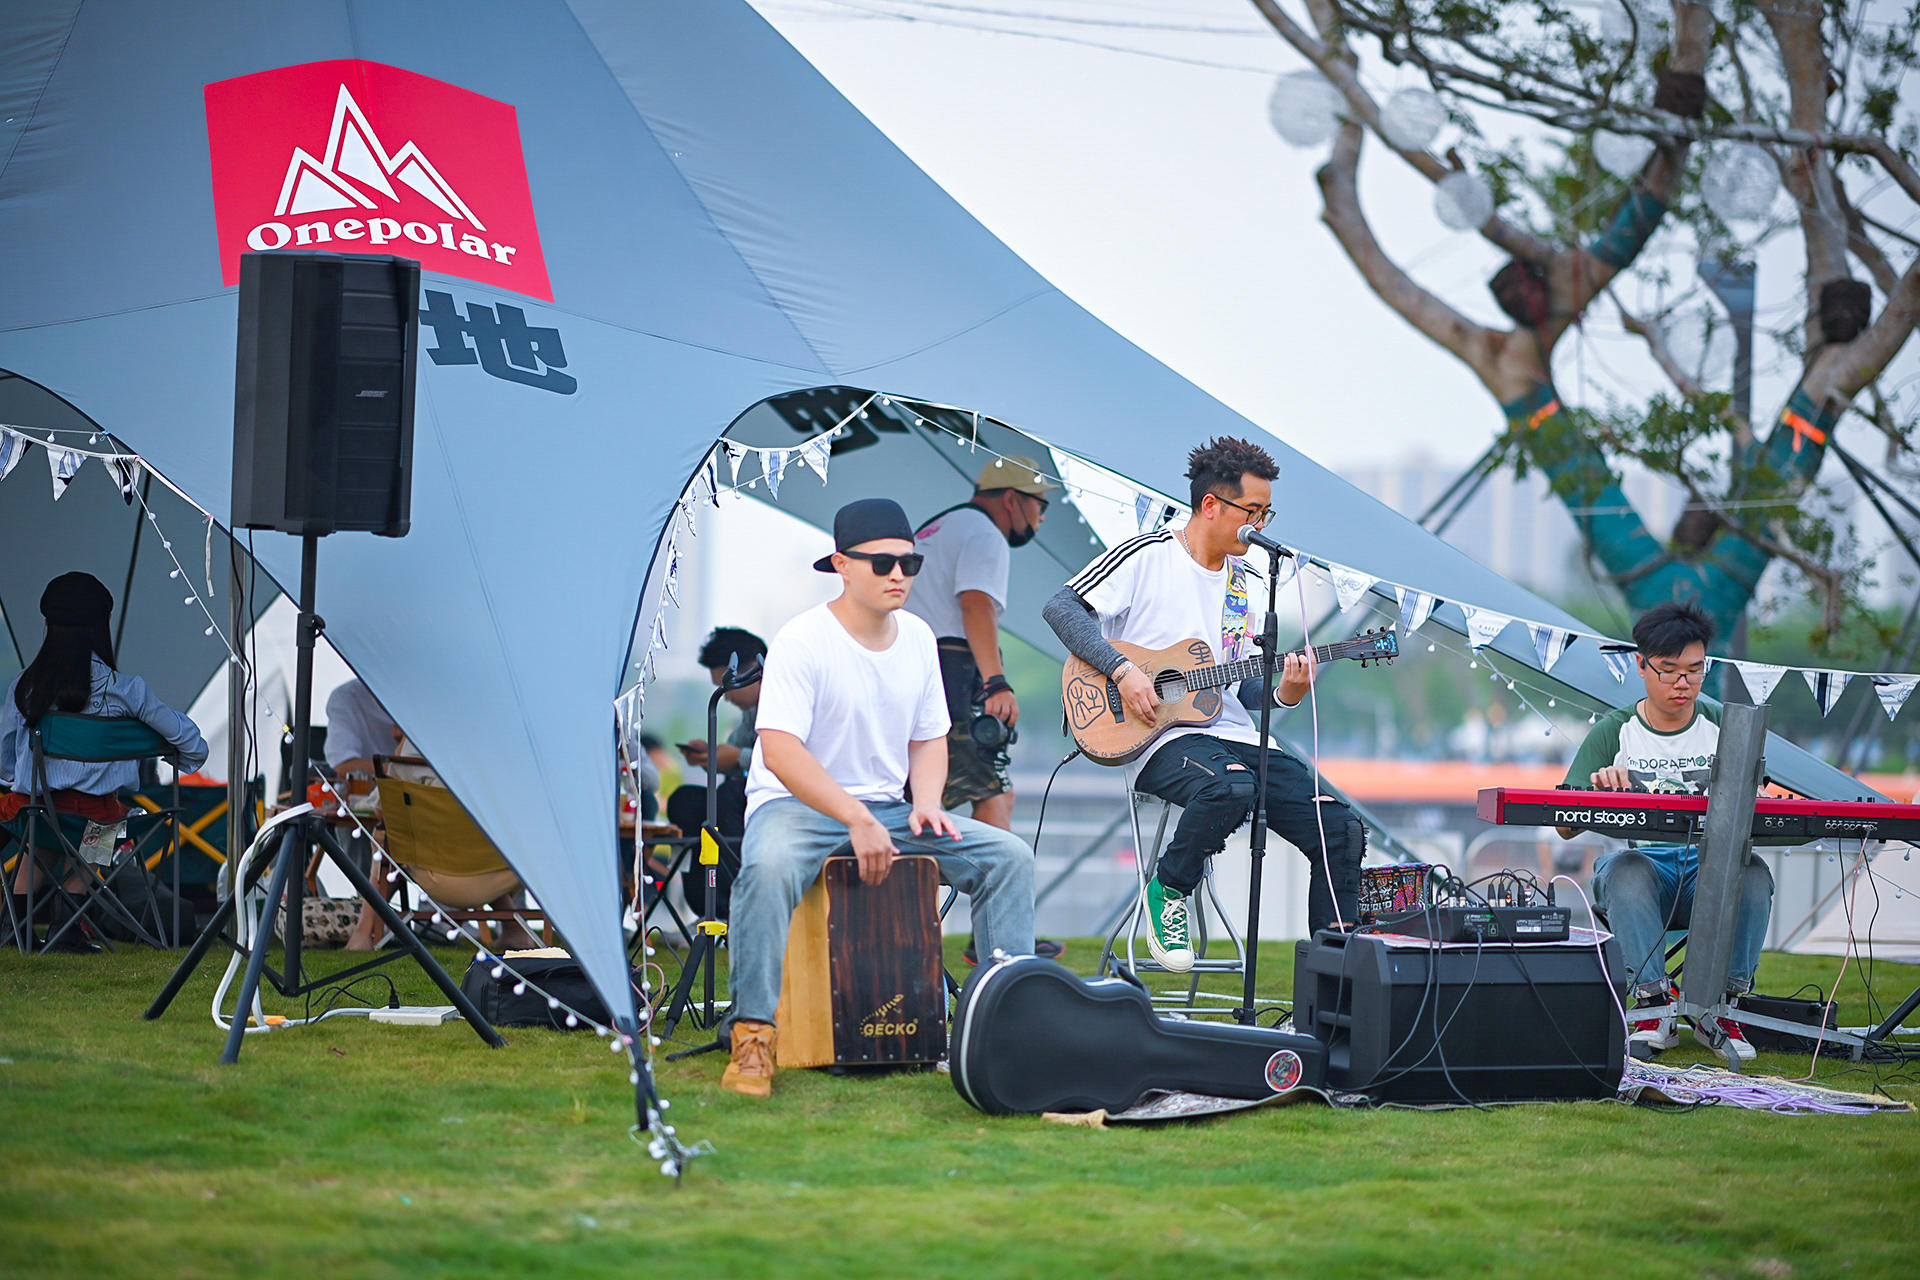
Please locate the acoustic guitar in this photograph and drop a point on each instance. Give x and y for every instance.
(1189, 684)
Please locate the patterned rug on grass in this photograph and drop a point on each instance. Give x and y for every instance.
(1644, 1082)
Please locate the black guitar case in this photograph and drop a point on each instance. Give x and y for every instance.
(1031, 1036)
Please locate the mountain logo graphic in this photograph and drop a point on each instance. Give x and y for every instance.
(454, 194)
(354, 154)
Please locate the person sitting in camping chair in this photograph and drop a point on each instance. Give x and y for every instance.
(74, 672)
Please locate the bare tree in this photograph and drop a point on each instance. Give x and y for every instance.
(1816, 86)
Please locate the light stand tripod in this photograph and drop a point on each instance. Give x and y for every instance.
(1269, 642)
(286, 885)
(708, 931)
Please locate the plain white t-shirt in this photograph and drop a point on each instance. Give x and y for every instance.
(965, 551)
(1148, 591)
(855, 709)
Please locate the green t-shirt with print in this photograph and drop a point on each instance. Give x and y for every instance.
(1679, 762)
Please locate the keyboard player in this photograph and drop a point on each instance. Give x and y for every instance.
(1666, 742)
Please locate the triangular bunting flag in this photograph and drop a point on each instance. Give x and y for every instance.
(1549, 643)
(685, 511)
(1483, 625)
(1415, 608)
(1893, 691)
(1167, 513)
(12, 449)
(1142, 511)
(1827, 686)
(1760, 679)
(774, 461)
(735, 454)
(815, 454)
(712, 472)
(672, 582)
(1350, 584)
(126, 473)
(1619, 663)
(65, 465)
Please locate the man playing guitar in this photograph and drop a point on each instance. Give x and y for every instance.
(1159, 589)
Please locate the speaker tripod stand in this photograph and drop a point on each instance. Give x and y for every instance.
(285, 886)
(713, 846)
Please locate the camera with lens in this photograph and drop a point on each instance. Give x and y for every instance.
(990, 733)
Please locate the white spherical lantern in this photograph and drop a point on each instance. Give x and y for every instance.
(1463, 200)
(1412, 118)
(1623, 155)
(1740, 182)
(1304, 108)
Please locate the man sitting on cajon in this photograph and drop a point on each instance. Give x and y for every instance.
(852, 711)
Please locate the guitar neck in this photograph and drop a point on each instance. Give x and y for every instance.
(1226, 673)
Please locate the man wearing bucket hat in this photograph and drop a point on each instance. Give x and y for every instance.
(852, 714)
(961, 593)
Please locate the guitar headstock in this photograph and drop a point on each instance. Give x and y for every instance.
(1380, 644)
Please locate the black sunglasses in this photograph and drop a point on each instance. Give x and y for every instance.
(883, 561)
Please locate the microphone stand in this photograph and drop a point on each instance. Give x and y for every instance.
(1269, 642)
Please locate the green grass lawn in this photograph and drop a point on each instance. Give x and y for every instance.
(350, 1149)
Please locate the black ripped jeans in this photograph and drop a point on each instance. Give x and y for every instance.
(1213, 783)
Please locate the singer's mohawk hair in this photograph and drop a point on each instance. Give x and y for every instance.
(1216, 467)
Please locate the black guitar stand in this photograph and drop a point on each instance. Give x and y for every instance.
(286, 886)
(713, 846)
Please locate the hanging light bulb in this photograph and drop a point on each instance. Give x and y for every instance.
(1740, 182)
(1462, 200)
(1621, 154)
(1411, 118)
(1304, 108)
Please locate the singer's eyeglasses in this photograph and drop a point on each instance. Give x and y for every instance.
(1256, 516)
(1692, 675)
(883, 561)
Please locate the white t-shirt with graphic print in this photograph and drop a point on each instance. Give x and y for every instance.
(1148, 591)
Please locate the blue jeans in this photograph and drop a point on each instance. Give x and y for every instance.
(785, 845)
(1213, 782)
(1645, 892)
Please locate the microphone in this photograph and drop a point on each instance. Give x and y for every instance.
(1254, 538)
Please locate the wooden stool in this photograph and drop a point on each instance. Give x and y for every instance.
(863, 983)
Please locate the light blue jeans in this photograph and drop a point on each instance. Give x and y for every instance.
(1644, 892)
(785, 844)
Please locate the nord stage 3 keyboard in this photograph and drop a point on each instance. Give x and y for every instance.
(1639, 815)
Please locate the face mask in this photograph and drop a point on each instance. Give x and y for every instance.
(1021, 537)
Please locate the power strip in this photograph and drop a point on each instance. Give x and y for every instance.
(416, 1015)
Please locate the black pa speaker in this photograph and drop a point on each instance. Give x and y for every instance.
(323, 393)
(1488, 1023)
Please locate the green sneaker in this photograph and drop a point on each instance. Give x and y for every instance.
(1167, 911)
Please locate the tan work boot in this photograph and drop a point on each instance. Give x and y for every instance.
(751, 1071)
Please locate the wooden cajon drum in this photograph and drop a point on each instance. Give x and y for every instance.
(863, 983)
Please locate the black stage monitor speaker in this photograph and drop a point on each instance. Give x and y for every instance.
(1503, 1021)
(323, 395)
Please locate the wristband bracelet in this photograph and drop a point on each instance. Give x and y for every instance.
(1119, 672)
(996, 684)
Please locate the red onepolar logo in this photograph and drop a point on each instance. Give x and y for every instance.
(358, 157)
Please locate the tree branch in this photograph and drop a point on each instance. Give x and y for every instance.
(1474, 345)
(1683, 382)
(1796, 34)
(1839, 372)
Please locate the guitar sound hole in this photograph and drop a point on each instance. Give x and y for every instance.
(1169, 687)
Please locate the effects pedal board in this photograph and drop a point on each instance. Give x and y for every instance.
(1483, 924)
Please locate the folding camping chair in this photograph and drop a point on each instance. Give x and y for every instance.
(441, 848)
(58, 843)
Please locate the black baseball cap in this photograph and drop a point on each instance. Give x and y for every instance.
(867, 520)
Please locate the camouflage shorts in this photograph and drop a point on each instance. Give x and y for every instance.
(974, 773)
